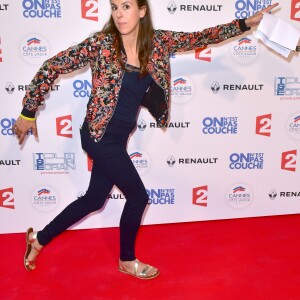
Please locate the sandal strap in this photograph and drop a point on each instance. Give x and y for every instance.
(144, 271)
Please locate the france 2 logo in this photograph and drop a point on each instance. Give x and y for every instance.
(7, 198)
(263, 125)
(289, 160)
(295, 10)
(89, 9)
(64, 126)
(200, 196)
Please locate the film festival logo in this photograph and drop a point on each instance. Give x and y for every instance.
(89, 10)
(44, 198)
(239, 196)
(41, 9)
(245, 50)
(64, 126)
(7, 199)
(182, 89)
(34, 49)
(247, 8)
(295, 10)
(200, 196)
(263, 125)
(289, 160)
(140, 160)
(293, 126)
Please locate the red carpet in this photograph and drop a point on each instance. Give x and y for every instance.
(254, 258)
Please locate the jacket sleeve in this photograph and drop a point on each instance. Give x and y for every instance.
(67, 61)
(185, 41)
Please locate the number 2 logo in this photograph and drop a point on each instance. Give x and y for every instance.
(295, 10)
(89, 9)
(7, 198)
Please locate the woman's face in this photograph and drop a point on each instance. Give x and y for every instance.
(126, 15)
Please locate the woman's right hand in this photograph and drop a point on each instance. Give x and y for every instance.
(21, 127)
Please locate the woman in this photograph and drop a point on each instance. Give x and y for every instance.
(130, 67)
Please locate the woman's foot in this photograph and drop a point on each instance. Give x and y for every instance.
(138, 269)
(33, 249)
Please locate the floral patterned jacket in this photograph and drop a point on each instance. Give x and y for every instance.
(107, 73)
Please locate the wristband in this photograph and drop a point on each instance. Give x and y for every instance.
(26, 118)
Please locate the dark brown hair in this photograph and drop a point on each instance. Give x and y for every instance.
(144, 42)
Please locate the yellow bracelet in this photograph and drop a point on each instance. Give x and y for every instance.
(26, 118)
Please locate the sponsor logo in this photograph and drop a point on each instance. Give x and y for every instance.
(263, 125)
(3, 7)
(200, 195)
(239, 196)
(221, 125)
(190, 7)
(182, 89)
(171, 161)
(295, 10)
(82, 88)
(116, 196)
(191, 161)
(34, 49)
(51, 163)
(89, 10)
(161, 196)
(272, 194)
(10, 88)
(291, 194)
(294, 194)
(140, 160)
(216, 87)
(64, 126)
(141, 125)
(41, 8)
(245, 50)
(203, 54)
(293, 126)
(298, 48)
(247, 8)
(10, 162)
(172, 7)
(44, 198)
(24, 88)
(183, 125)
(6, 127)
(7, 199)
(251, 161)
(289, 160)
(287, 88)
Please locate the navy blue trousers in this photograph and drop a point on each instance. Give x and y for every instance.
(111, 166)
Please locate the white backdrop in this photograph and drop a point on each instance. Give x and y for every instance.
(233, 142)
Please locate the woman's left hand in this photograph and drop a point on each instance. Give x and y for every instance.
(256, 18)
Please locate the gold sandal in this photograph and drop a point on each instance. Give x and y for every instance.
(30, 264)
(141, 275)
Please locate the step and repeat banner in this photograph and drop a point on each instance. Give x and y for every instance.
(232, 145)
